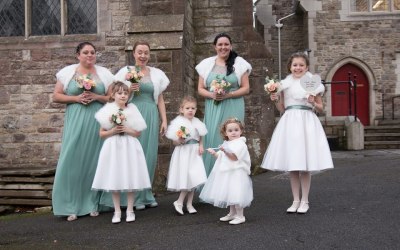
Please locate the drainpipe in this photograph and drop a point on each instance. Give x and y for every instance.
(279, 26)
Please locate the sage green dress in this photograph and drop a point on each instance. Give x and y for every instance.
(81, 144)
(149, 138)
(215, 115)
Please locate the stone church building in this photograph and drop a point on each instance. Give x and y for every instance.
(38, 38)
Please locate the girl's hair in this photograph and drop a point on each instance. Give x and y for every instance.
(230, 61)
(187, 99)
(222, 131)
(297, 55)
(115, 87)
(81, 45)
(140, 43)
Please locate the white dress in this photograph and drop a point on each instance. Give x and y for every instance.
(122, 165)
(229, 182)
(299, 142)
(186, 169)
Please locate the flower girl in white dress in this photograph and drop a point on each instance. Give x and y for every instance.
(186, 169)
(298, 144)
(229, 183)
(122, 165)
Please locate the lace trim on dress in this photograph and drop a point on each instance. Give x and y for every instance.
(218, 69)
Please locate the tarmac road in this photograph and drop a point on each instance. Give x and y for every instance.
(354, 206)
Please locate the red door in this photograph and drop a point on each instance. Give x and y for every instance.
(340, 94)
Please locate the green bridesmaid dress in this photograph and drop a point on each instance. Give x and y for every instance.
(149, 138)
(81, 144)
(215, 115)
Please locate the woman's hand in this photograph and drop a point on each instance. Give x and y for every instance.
(89, 96)
(135, 87)
(163, 128)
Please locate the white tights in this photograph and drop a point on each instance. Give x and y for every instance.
(300, 180)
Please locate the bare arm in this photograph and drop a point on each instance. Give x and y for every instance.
(163, 114)
(60, 97)
(279, 101)
(202, 90)
(316, 101)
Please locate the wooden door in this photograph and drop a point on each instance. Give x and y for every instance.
(340, 93)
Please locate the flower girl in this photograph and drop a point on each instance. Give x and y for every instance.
(229, 183)
(186, 170)
(122, 165)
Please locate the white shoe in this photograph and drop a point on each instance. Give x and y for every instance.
(191, 209)
(130, 216)
(116, 218)
(227, 217)
(237, 220)
(303, 208)
(140, 207)
(72, 217)
(153, 204)
(94, 214)
(178, 207)
(293, 208)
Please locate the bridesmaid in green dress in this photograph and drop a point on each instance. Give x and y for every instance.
(148, 97)
(83, 88)
(226, 65)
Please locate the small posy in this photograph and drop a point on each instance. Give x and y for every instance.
(118, 118)
(134, 75)
(183, 132)
(219, 86)
(272, 85)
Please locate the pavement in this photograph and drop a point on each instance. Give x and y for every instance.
(354, 206)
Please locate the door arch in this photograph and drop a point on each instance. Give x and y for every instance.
(365, 94)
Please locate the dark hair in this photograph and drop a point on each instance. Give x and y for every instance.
(81, 45)
(297, 55)
(230, 61)
(140, 43)
(222, 130)
(115, 87)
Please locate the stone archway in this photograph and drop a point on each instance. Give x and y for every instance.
(371, 81)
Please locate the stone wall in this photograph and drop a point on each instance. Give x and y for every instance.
(180, 34)
(333, 34)
(235, 18)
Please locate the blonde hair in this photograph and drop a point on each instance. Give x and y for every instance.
(222, 130)
(115, 87)
(185, 100)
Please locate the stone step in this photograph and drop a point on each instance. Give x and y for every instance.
(382, 144)
(382, 129)
(382, 137)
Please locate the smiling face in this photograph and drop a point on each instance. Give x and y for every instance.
(233, 131)
(87, 56)
(223, 47)
(141, 55)
(298, 67)
(188, 110)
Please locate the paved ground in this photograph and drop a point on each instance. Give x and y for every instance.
(354, 206)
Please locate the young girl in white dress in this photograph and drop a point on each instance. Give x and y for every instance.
(229, 183)
(122, 165)
(298, 144)
(186, 169)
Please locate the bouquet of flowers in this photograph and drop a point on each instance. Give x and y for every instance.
(182, 132)
(134, 75)
(219, 86)
(118, 118)
(85, 82)
(272, 85)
